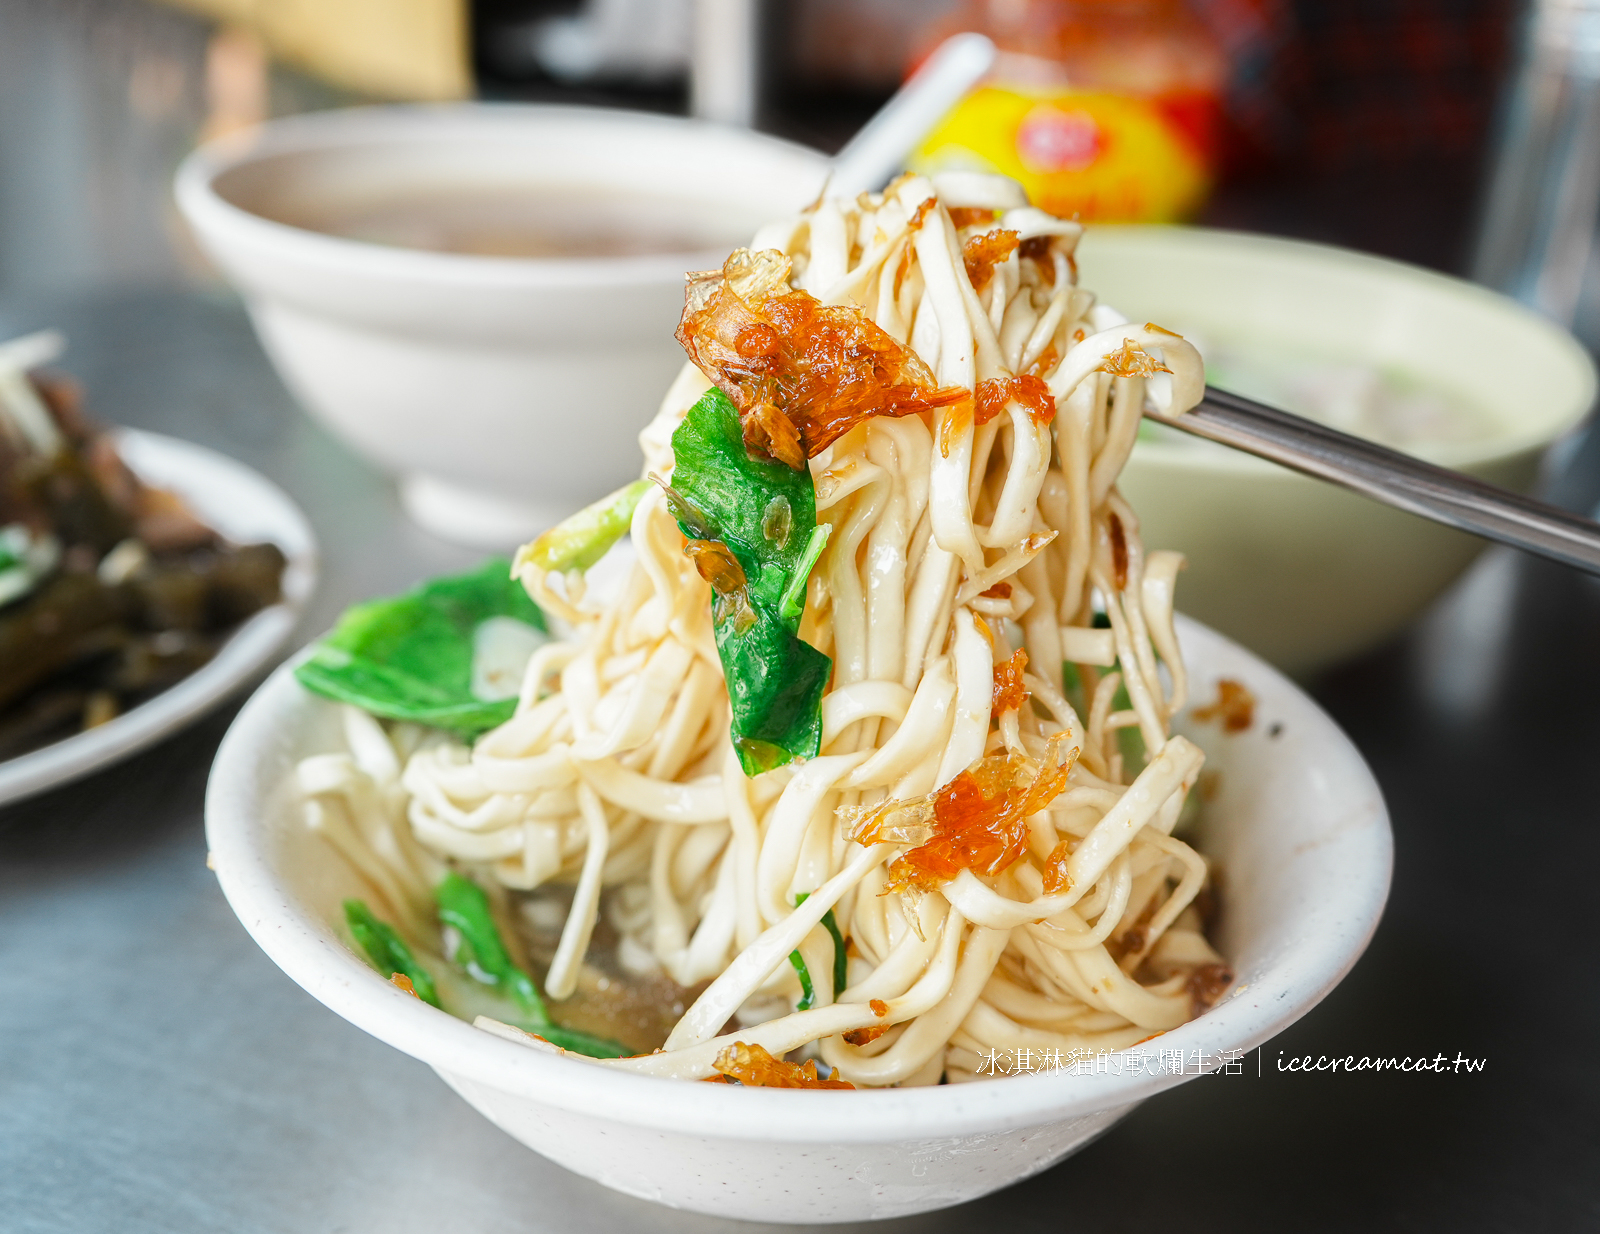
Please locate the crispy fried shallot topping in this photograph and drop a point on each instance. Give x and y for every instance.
(978, 821)
(716, 563)
(753, 1065)
(984, 252)
(1037, 250)
(865, 1036)
(1047, 361)
(972, 216)
(998, 393)
(1000, 591)
(801, 373)
(1119, 551)
(1009, 692)
(768, 431)
(685, 511)
(1131, 360)
(1235, 707)
(1056, 878)
(957, 419)
(1207, 984)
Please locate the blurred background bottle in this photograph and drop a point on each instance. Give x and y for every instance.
(1536, 237)
(1105, 109)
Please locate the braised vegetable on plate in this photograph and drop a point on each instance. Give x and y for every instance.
(111, 590)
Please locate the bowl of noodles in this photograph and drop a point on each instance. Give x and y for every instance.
(847, 841)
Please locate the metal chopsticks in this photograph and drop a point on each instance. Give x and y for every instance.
(1392, 478)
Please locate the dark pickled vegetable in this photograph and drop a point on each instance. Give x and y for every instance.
(70, 619)
(109, 590)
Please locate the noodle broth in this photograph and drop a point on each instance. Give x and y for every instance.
(540, 221)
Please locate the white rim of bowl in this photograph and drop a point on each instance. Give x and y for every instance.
(207, 210)
(1454, 455)
(311, 954)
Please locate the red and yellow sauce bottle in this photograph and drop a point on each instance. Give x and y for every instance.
(1104, 109)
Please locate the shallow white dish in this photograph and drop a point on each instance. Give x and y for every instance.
(246, 508)
(1296, 821)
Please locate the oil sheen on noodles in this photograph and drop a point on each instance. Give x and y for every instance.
(954, 544)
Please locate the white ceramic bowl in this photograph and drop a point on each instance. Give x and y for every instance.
(1299, 571)
(503, 391)
(1298, 826)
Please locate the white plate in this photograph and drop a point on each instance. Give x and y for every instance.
(244, 507)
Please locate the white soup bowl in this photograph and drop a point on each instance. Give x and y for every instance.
(1297, 826)
(502, 391)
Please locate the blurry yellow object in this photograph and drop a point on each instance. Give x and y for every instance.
(1104, 109)
(1079, 152)
(401, 49)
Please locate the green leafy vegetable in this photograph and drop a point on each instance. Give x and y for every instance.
(387, 950)
(1130, 741)
(808, 992)
(475, 944)
(410, 657)
(793, 602)
(763, 511)
(841, 962)
(579, 541)
(765, 514)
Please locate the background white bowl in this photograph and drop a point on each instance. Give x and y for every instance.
(1299, 571)
(503, 391)
(1298, 826)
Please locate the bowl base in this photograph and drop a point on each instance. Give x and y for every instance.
(470, 516)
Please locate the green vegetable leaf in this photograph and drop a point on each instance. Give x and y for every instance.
(775, 688)
(841, 962)
(766, 515)
(793, 603)
(476, 945)
(410, 657)
(764, 511)
(1130, 740)
(579, 541)
(808, 992)
(387, 950)
(579, 1042)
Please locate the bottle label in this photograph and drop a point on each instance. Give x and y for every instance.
(1100, 156)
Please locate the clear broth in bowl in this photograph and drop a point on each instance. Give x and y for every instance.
(511, 222)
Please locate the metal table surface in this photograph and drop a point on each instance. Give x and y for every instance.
(158, 1073)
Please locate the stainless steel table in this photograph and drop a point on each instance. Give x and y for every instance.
(158, 1073)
